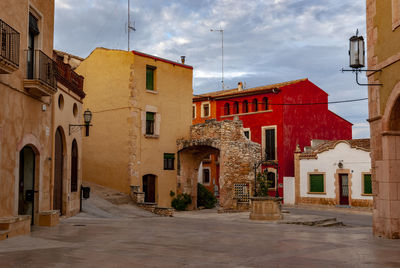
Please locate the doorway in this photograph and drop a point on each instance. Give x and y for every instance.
(149, 188)
(344, 189)
(58, 171)
(26, 196)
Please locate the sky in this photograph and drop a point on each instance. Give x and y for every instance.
(265, 41)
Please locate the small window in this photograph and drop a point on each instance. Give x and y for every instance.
(205, 109)
(245, 106)
(60, 101)
(150, 70)
(271, 180)
(226, 109)
(150, 123)
(247, 134)
(316, 183)
(367, 184)
(255, 105)
(169, 160)
(206, 176)
(236, 107)
(265, 104)
(193, 111)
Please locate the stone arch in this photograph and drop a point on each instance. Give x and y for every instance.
(237, 156)
(391, 116)
(60, 189)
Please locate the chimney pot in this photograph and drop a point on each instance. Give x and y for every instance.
(240, 86)
(183, 58)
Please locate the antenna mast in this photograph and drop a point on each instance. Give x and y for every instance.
(130, 27)
(222, 35)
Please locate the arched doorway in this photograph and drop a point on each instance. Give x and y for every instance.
(74, 166)
(26, 196)
(58, 170)
(149, 188)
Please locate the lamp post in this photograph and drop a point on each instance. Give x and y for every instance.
(87, 118)
(357, 58)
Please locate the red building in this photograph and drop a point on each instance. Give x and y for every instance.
(279, 117)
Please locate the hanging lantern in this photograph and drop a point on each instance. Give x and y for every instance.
(357, 52)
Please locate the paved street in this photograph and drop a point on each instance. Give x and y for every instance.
(112, 235)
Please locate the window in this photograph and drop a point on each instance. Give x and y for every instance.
(150, 123)
(269, 145)
(247, 133)
(74, 167)
(236, 107)
(245, 106)
(316, 183)
(205, 109)
(367, 184)
(207, 159)
(226, 109)
(150, 71)
(265, 103)
(206, 176)
(169, 160)
(271, 180)
(255, 105)
(193, 111)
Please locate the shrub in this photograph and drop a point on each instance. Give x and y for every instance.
(205, 198)
(181, 201)
(262, 184)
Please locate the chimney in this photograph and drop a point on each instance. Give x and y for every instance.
(240, 86)
(183, 59)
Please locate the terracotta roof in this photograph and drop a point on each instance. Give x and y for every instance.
(361, 144)
(235, 91)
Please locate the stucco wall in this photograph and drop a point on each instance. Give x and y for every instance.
(357, 161)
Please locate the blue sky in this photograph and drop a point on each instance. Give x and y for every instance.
(265, 41)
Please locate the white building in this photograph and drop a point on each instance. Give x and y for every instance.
(334, 173)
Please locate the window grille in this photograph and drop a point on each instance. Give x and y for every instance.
(242, 192)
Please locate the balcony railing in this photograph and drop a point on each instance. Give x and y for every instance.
(41, 67)
(9, 43)
(68, 77)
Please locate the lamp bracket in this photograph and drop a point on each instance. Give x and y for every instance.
(73, 128)
(357, 71)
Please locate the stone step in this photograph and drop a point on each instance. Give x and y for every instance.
(313, 222)
(330, 224)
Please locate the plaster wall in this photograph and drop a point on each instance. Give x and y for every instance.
(357, 161)
(21, 117)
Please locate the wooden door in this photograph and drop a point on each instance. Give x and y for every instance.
(149, 188)
(344, 189)
(26, 197)
(58, 172)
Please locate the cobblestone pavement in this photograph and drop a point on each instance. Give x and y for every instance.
(101, 238)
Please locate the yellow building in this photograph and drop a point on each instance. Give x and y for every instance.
(29, 120)
(141, 105)
(383, 32)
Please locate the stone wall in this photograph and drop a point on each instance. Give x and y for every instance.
(237, 156)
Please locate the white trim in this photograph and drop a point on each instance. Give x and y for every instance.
(247, 129)
(202, 109)
(157, 121)
(263, 128)
(195, 111)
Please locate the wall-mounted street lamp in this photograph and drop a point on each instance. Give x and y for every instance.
(87, 118)
(357, 58)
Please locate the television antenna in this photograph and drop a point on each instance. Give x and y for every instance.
(130, 26)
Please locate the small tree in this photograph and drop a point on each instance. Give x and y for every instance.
(262, 184)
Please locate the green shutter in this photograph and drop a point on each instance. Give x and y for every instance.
(367, 184)
(316, 183)
(169, 156)
(149, 116)
(149, 78)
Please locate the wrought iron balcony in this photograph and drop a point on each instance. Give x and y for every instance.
(41, 74)
(9, 48)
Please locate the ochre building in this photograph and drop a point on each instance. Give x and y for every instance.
(141, 106)
(383, 33)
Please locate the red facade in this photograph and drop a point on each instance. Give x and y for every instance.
(297, 110)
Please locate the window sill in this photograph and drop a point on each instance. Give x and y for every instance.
(316, 192)
(205, 116)
(148, 136)
(366, 194)
(169, 169)
(152, 91)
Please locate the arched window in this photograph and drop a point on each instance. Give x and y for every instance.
(236, 107)
(255, 105)
(245, 106)
(265, 103)
(74, 167)
(226, 109)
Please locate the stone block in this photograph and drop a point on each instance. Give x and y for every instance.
(49, 218)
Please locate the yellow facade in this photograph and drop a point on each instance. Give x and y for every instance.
(119, 153)
(383, 33)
